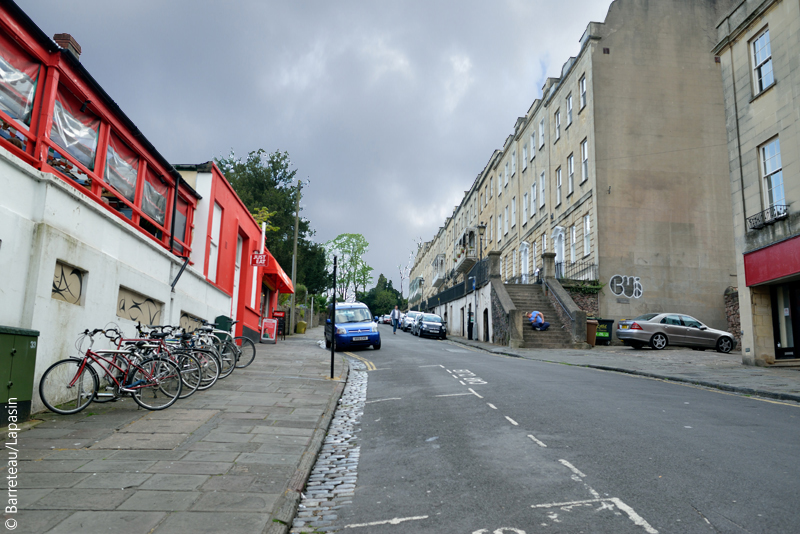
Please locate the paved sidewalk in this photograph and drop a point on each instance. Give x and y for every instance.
(230, 459)
(705, 368)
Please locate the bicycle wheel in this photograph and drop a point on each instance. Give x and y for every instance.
(156, 383)
(68, 386)
(209, 365)
(247, 351)
(191, 373)
(227, 357)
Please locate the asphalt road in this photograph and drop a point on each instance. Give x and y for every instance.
(459, 441)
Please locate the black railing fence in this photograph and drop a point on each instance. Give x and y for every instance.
(768, 216)
(576, 270)
(480, 272)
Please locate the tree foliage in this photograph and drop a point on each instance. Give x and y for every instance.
(352, 271)
(382, 298)
(266, 184)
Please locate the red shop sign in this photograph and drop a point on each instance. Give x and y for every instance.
(258, 259)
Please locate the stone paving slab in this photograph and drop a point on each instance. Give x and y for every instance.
(229, 459)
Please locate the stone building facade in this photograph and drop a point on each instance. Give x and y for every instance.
(620, 168)
(757, 46)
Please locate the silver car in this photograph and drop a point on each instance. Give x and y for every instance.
(408, 320)
(661, 329)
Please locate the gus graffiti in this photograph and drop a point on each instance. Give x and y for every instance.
(625, 286)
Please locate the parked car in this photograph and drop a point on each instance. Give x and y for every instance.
(386, 319)
(429, 324)
(354, 327)
(661, 329)
(408, 320)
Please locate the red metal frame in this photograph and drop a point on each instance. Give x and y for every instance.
(56, 72)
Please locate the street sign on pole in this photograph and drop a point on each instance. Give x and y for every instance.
(259, 259)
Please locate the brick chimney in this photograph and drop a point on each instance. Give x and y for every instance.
(68, 43)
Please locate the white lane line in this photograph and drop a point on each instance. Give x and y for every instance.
(449, 371)
(636, 518)
(442, 366)
(434, 365)
(539, 443)
(461, 382)
(381, 400)
(454, 395)
(395, 521)
(571, 503)
(473, 392)
(511, 421)
(572, 468)
(492, 406)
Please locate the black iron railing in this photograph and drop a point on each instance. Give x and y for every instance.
(555, 297)
(768, 216)
(576, 270)
(480, 271)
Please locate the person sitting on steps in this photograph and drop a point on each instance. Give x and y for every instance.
(537, 320)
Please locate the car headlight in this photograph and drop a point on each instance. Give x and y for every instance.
(374, 327)
(341, 331)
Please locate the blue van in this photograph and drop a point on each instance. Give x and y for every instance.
(354, 327)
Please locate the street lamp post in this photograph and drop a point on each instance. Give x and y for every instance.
(481, 232)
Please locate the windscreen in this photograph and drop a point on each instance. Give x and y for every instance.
(353, 315)
(428, 318)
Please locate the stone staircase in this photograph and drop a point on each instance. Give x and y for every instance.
(529, 297)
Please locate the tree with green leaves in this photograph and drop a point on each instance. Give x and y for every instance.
(382, 298)
(352, 271)
(267, 186)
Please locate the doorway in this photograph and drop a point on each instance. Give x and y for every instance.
(486, 325)
(786, 319)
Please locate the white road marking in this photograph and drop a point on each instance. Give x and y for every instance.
(539, 443)
(454, 395)
(473, 392)
(381, 400)
(434, 365)
(511, 421)
(395, 521)
(461, 382)
(636, 518)
(492, 406)
(442, 366)
(632, 515)
(572, 468)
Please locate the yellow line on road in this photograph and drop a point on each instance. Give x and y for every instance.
(369, 364)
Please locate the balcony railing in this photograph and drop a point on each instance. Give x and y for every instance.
(576, 270)
(768, 216)
(439, 270)
(465, 258)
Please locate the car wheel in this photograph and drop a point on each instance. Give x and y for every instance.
(376, 346)
(659, 341)
(724, 344)
(327, 344)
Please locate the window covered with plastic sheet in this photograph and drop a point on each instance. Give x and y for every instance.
(19, 76)
(154, 198)
(122, 166)
(74, 130)
(181, 217)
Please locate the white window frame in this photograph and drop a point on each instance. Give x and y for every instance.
(558, 125)
(571, 173)
(542, 184)
(541, 133)
(533, 254)
(558, 187)
(490, 229)
(524, 156)
(772, 173)
(572, 243)
(499, 183)
(524, 209)
(764, 65)
(544, 243)
(213, 247)
(506, 174)
(587, 235)
(505, 222)
(513, 212)
(481, 203)
(569, 109)
(533, 198)
(533, 145)
(584, 160)
(514, 263)
(513, 163)
(499, 230)
(582, 90)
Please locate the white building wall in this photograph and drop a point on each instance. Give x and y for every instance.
(42, 220)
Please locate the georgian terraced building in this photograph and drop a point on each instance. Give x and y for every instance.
(619, 168)
(758, 44)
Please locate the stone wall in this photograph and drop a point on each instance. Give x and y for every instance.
(587, 302)
(732, 313)
(500, 323)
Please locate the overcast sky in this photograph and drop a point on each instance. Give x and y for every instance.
(391, 109)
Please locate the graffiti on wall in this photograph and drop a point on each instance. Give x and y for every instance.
(625, 286)
(138, 308)
(67, 283)
(189, 322)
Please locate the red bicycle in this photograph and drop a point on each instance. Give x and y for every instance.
(68, 386)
